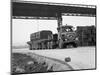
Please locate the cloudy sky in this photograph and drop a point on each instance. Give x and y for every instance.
(22, 28)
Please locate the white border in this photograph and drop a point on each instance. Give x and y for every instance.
(5, 23)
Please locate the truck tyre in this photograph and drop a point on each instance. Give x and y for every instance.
(74, 45)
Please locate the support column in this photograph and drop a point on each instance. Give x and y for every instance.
(59, 20)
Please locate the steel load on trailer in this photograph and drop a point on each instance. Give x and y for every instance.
(38, 40)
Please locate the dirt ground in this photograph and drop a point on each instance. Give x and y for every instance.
(27, 62)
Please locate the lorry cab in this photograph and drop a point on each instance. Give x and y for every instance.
(66, 36)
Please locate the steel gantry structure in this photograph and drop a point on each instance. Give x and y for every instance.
(49, 11)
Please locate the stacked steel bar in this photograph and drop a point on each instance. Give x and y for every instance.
(86, 35)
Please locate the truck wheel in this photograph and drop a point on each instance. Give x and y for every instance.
(69, 46)
(75, 45)
(64, 45)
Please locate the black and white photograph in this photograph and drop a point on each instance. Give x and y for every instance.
(52, 37)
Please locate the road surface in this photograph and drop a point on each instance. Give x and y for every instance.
(81, 57)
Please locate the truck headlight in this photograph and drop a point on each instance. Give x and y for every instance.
(76, 38)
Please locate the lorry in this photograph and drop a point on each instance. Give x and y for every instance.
(45, 39)
(65, 38)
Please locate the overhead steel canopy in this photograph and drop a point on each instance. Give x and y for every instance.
(43, 9)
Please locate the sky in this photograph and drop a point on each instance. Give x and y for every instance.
(22, 28)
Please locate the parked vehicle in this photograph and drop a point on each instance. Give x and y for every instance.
(66, 37)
